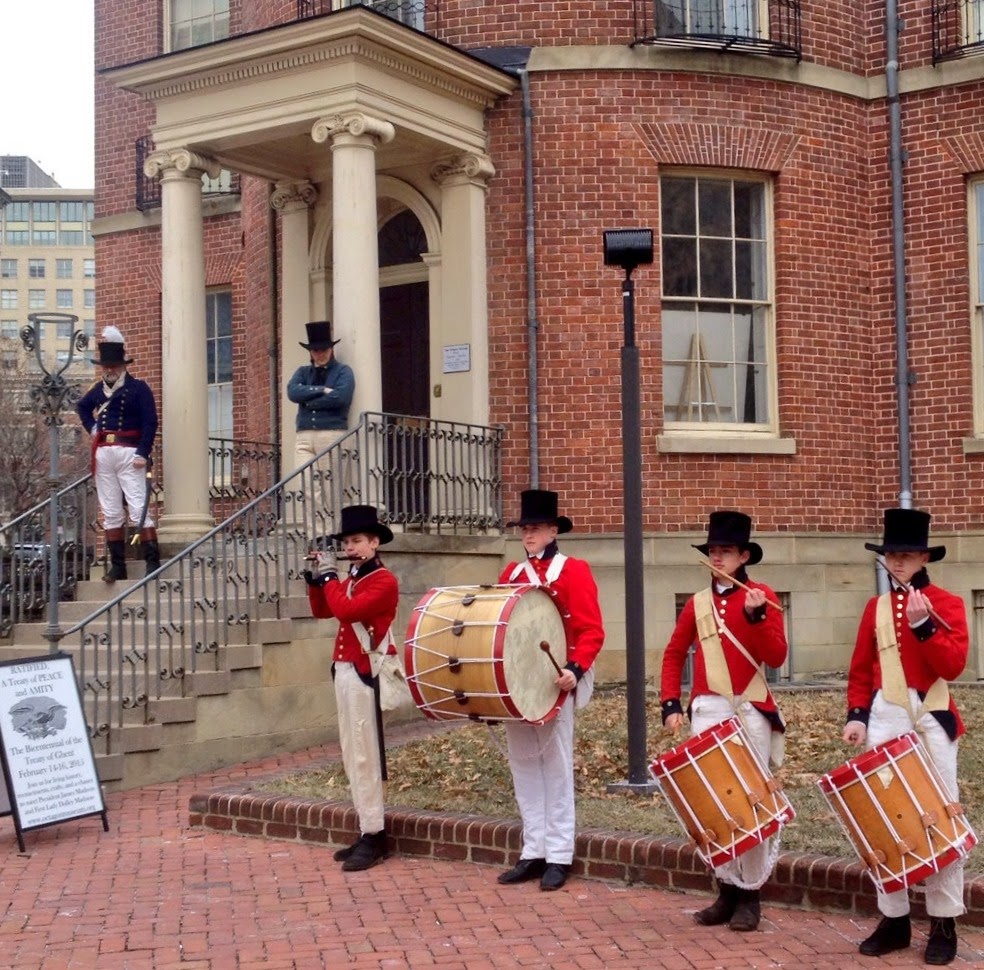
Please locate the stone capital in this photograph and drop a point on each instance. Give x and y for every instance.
(180, 162)
(291, 195)
(354, 123)
(464, 167)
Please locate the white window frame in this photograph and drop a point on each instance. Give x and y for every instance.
(972, 22)
(219, 30)
(764, 305)
(731, 19)
(221, 414)
(8, 269)
(36, 299)
(63, 269)
(975, 238)
(8, 299)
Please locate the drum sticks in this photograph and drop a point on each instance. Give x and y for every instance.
(545, 647)
(908, 587)
(731, 579)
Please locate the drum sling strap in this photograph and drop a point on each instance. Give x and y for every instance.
(709, 629)
(895, 690)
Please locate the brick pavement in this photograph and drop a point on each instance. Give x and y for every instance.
(155, 893)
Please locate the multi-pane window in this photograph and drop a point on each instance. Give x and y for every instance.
(44, 237)
(35, 269)
(195, 22)
(8, 299)
(63, 269)
(17, 237)
(35, 299)
(716, 307)
(710, 18)
(64, 329)
(977, 294)
(8, 269)
(44, 211)
(89, 299)
(63, 300)
(9, 329)
(89, 326)
(71, 237)
(72, 211)
(89, 268)
(218, 350)
(18, 212)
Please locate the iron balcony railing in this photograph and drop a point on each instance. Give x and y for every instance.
(239, 471)
(958, 28)
(409, 12)
(137, 650)
(148, 190)
(770, 27)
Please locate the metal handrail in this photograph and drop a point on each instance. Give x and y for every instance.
(186, 618)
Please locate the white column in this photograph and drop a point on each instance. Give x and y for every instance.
(464, 297)
(184, 378)
(355, 257)
(293, 200)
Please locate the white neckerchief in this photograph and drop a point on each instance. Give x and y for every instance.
(110, 391)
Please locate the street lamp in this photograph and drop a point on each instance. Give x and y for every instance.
(629, 248)
(50, 398)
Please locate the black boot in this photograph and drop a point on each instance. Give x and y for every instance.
(369, 851)
(892, 933)
(117, 556)
(151, 550)
(942, 946)
(748, 912)
(722, 909)
(342, 854)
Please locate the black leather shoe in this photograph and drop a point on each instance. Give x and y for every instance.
(369, 851)
(342, 854)
(892, 933)
(524, 871)
(942, 946)
(554, 876)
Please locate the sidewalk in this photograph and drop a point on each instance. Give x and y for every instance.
(154, 893)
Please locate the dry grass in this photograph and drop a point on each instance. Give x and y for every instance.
(464, 770)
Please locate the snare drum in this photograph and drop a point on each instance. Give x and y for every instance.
(475, 652)
(721, 793)
(893, 806)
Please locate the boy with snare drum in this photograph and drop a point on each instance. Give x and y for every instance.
(735, 632)
(910, 642)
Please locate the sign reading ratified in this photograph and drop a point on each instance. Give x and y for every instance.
(457, 358)
(48, 764)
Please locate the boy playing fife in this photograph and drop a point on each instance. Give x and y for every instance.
(734, 632)
(911, 641)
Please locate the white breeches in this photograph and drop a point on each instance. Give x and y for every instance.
(323, 481)
(116, 477)
(541, 758)
(359, 739)
(944, 889)
(752, 868)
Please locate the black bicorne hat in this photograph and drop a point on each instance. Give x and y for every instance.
(729, 528)
(907, 530)
(319, 336)
(112, 349)
(363, 518)
(538, 506)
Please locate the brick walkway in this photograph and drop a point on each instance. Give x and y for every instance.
(156, 894)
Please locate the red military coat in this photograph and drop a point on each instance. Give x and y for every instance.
(370, 598)
(762, 635)
(928, 652)
(577, 594)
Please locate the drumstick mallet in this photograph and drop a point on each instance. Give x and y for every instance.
(545, 647)
(731, 579)
(908, 588)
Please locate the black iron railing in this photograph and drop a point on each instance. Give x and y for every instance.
(148, 189)
(409, 12)
(958, 28)
(749, 26)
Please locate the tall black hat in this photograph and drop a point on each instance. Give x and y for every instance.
(729, 528)
(907, 530)
(319, 336)
(538, 506)
(362, 518)
(112, 349)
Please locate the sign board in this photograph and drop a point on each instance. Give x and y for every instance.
(48, 764)
(457, 358)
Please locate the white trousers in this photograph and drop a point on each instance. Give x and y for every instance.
(752, 868)
(541, 759)
(944, 889)
(359, 739)
(329, 492)
(115, 478)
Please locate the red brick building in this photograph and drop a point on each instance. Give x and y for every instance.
(754, 138)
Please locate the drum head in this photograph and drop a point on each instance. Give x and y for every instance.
(534, 619)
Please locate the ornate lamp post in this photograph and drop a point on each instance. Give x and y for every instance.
(50, 398)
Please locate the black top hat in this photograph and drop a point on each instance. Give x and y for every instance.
(362, 518)
(538, 506)
(907, 530)
(112, 350)
(319, 336)
(730, 528)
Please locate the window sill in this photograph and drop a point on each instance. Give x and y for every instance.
(973, 446)
(693, 444)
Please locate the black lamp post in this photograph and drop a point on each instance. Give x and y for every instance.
(50, 398)
(630, 248)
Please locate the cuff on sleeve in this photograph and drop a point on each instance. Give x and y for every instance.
(672, 706)
(858, 714)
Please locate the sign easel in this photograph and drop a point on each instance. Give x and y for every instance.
(49, 768)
